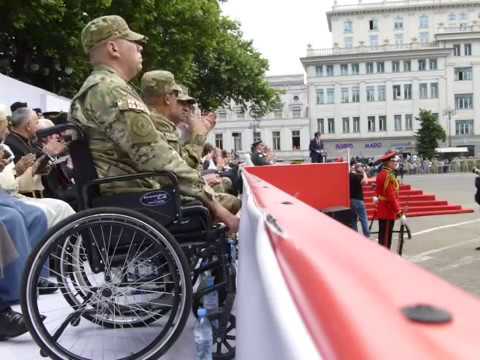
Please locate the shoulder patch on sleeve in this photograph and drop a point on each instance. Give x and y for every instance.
(130, 103)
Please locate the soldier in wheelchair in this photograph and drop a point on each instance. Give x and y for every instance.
(128, 263)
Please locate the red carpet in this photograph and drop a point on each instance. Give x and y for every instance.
(414, 202)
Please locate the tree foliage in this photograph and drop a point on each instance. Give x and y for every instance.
(429, 134)
(40, 44)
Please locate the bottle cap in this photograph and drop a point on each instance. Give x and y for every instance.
(201, 312)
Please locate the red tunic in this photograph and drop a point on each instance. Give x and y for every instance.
(388, 188)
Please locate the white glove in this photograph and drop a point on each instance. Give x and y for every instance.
(375, 199)
(403, 219)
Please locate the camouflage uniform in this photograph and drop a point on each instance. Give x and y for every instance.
(162, 82)
(123, 139)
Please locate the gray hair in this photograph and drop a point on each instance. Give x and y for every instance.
(21, 116)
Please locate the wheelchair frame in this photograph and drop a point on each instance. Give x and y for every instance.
(199, 244)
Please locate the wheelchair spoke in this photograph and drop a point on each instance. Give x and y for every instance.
(125, 283)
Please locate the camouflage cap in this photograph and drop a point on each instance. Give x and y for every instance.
(106, 28)
(183, 95)
(159, 82)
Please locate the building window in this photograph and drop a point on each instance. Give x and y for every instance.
(398, 23)
(355, 69)
(344, 69)
(296, 111)
(331, 126)
(319, 70)
(295, 139)
(407, 65)
(398, 40)
(373, 25)
(355, 95)
(424, 37)
(370, 93)
(452, 17)
(371, 124)
(397, 92)
(456, 50)
(395, 66)
(222, 114)
(423, 91)
(380, 67)
(345, 96)
(240, 113)
(463, 74)
(464, 101)
(434, 90)
(331, 96)
(422, 65)
(346, 125)
(348, 42)
(464, 127)
(373, 40)
(347, 26)
(467, 49)
(463, 16)
(276, 140)
(433, 64)
(356, 125)
(329, 70)
(381, 93)
(423, 23)
(320, 96)
(382, 123)
(237, 141)
(369, 68)
(321, 126)
(398, 122)
(407, 92)
(408, 122)
(219, 140)
(278, 111)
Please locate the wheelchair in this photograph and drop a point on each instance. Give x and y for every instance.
(129, 269)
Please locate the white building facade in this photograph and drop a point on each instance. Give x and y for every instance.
(389, 60)
(286, 130)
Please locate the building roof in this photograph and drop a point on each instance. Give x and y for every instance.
(392, 6)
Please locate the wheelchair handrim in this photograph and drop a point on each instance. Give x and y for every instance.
(32, 308)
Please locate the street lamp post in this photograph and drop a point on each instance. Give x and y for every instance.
(449, 112)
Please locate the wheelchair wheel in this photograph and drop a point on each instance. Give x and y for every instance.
(123, 273)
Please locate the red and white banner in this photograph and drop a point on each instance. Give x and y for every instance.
(311, 288)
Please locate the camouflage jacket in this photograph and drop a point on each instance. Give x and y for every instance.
(123, 139)
(191, 152)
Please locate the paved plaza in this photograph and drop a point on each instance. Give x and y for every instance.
(446, 245)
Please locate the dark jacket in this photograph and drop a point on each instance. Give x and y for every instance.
(57, 183)
(315, 148)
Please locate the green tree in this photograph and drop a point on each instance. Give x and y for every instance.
(429, 134)
(40, 44)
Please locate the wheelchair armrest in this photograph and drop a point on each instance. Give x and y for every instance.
(59, 129)
(111, 179)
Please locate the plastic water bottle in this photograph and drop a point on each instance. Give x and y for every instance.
(210, 300)
(202, 333)
(233, 251)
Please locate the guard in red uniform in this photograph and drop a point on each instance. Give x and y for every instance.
(388, 207)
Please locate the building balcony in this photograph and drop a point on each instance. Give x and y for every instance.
(362, 49)
(462, 28)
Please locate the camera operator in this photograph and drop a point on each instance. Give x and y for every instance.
(358, 177)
